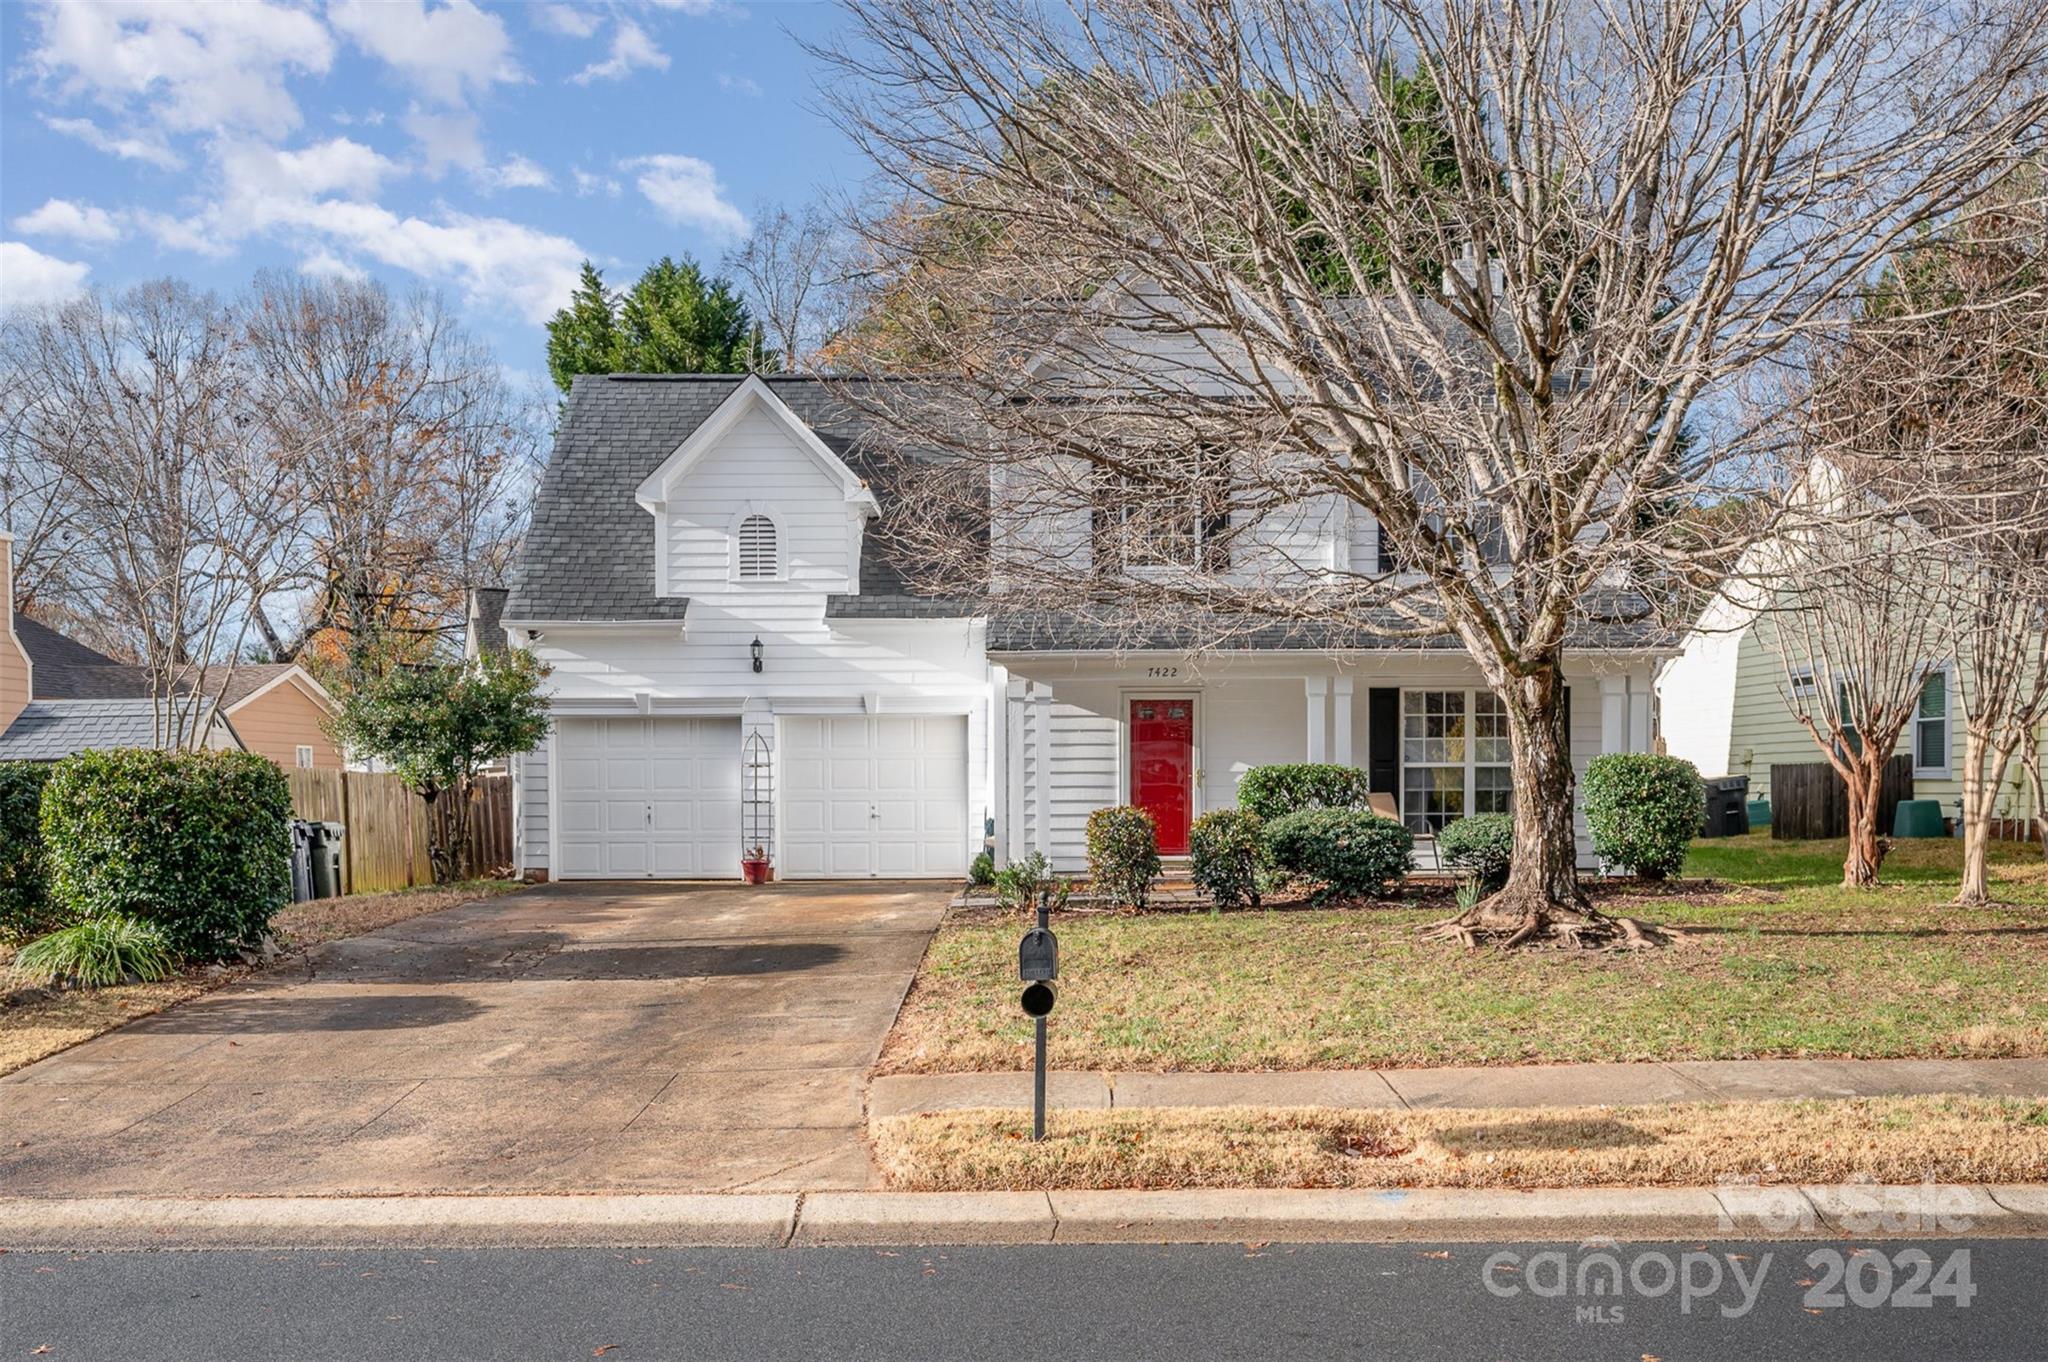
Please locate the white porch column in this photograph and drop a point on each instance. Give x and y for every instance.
(999, 760)
(1614, 714)
(1041, 764)
(1317, 703)
(1639, 712)
(1340, 699)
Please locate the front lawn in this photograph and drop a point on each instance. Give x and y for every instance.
(47, 1023)
(1776, 960)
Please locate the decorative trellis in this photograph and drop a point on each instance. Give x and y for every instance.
(757, 794)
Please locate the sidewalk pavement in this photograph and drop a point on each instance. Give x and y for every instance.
(775, 1220)
(1531, 1085)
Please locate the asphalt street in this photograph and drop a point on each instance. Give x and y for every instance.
(1676, 1302)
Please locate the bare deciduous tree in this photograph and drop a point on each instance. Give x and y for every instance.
(181, 516)
(794, 269)
(1457, 274)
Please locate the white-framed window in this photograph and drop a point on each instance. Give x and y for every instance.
(1932, 740)
(305, 755)
(1454, 757)
(756, 549)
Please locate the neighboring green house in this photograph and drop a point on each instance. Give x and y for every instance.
(1723, 704)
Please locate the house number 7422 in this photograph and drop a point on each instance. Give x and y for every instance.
(1162, 673)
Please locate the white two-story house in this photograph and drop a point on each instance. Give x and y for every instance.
(735, 663)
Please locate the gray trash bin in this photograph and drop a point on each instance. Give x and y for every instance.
(327, 860)
(302, 860)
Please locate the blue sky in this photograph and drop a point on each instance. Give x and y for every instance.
(480, 149)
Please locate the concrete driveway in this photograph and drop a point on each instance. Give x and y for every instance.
(568, 1038)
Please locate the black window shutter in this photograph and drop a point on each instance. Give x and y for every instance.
(1567, 723)
(1383, 740)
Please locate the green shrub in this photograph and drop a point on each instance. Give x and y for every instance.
(1643, 810)
(1350, 853)
(1483, 846)
(1228, 851)
(982, 872)
(196, 842)
(1123, 854)
(99, 952)
(1275, 791)
(1018, 883)
(25, 907)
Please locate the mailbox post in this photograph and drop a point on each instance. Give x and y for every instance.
(1038, 964)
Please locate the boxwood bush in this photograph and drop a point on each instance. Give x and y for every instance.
(1348, 852)
(1483, 846)
(1275, 791)
(1123, 854)
(1643, 810)
(25, 906)
(1227, 851)
(196, 842)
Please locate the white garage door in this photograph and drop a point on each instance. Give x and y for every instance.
(651, 798)
(883, 796)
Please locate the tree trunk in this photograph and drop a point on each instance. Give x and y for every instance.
(1541, 899)
(1984, 768)
(1866, 845)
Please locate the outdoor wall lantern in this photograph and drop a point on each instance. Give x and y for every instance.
(754, 651)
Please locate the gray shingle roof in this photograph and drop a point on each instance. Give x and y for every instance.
(51, 729)
(48, 648)
(589, 553)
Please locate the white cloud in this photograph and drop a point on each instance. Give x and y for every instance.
(686, 191)
(447, 139)
(741, 85)
(152, 151)
(28, 277)
(194, 234)
(515, 172)
(588, 184)
(569, 20)
(254, 175)
(188, 65)
(495, 262)
(631, 49)
(61, 217)
(327, 265)
(447, 52)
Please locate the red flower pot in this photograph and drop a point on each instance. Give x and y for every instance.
(756, 872)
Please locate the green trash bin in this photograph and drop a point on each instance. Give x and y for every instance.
(1759, 813)
(1919, 818)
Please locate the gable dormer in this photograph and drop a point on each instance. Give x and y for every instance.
(754, 501)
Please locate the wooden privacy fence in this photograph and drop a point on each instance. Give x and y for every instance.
(1809, 800)
(386, 844)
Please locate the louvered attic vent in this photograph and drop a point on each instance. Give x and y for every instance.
(757, 549)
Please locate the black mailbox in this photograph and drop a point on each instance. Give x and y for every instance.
(1038, 1000)
(1038, 955)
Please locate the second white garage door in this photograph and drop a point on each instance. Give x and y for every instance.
(648, 798)
(883, 796)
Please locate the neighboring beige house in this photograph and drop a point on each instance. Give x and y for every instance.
(1723, 701)
(58, 696)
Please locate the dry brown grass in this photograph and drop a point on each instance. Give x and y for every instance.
(41, 1027)
(1890, 1139)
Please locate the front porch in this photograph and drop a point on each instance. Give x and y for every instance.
(1175, 734)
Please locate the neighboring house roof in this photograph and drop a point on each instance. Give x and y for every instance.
(48, 648)
(589, 552)
(48, 730)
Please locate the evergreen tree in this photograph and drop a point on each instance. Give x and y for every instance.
(674, 320)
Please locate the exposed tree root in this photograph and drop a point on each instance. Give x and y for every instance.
(1529, 920)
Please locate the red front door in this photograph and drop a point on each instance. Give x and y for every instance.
(1163, 768)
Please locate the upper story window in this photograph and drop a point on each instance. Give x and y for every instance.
(1178, 517)
(757, 551)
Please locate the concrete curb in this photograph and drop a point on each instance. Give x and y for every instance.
(1425, 1215)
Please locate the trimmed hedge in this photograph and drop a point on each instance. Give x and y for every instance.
(1643, 810)
(1123, 854)
(1227, 851)
(1351, 853)
(196, 842)
(25, 906)
(1482, 845)
(1275, 791)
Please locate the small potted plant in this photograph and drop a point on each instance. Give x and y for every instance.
(754, 867)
